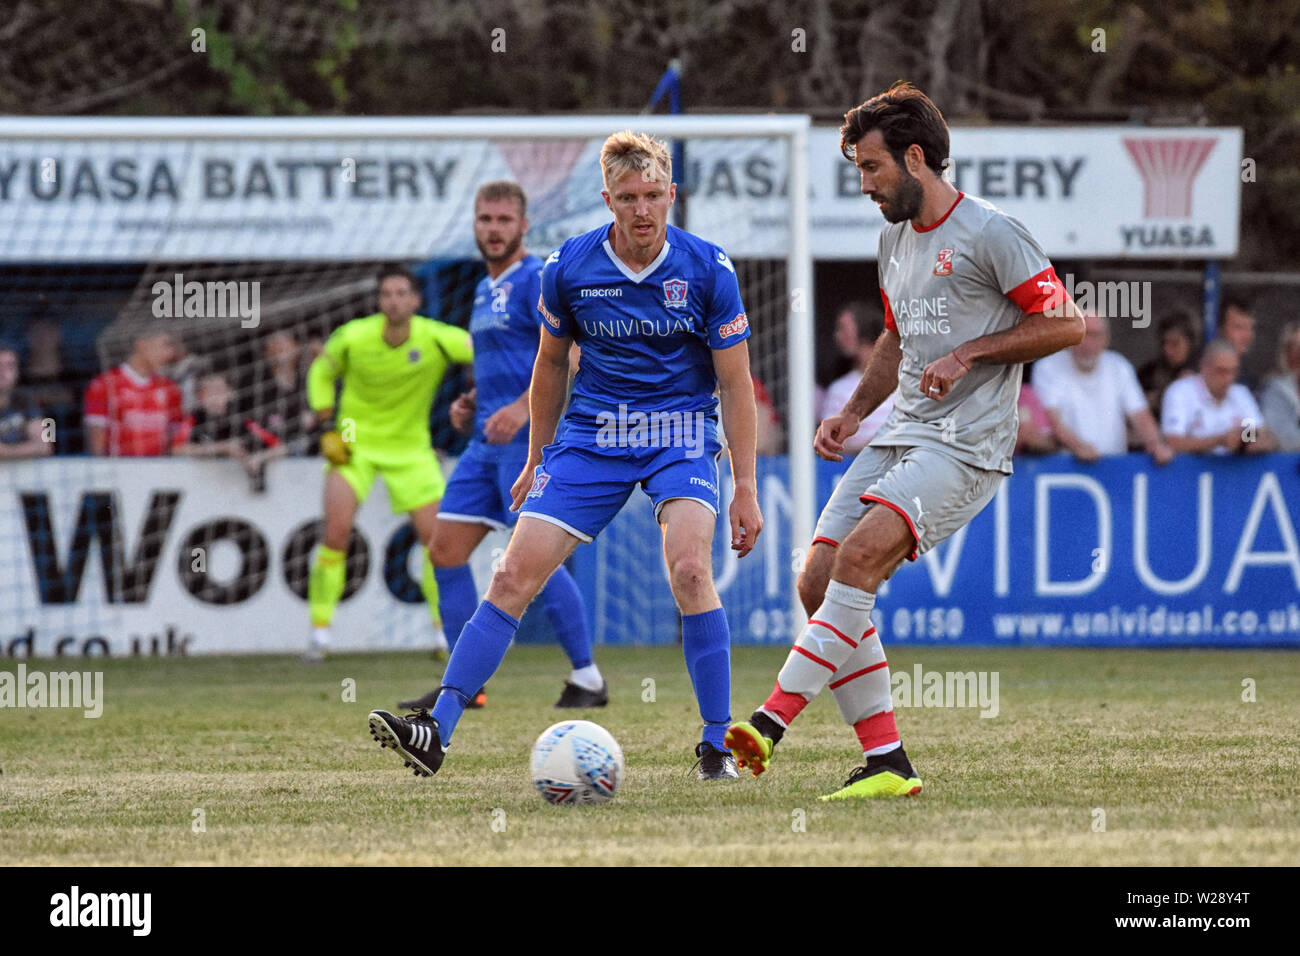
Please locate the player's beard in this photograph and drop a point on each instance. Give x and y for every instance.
(907, 199)
(512, 246)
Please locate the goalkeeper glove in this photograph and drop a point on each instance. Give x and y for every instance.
(333, 447)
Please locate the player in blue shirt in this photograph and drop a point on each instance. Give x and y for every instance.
(504, 325)
(658, 315)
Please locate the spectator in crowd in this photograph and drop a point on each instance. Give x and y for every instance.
(1211, 412)
(213, 430)
(312, 347)
(133, 409)
(49, 383)
(1177, 336)
(770, 438)
(1034, 436)
(218, 430)
(1237, 328)
(1280, 400)
(44, 375)
(1091, 394)
(856, 329)
(279, 396)
(22, 427)
(185, 369)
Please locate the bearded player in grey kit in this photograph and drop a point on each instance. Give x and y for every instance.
(969, 296)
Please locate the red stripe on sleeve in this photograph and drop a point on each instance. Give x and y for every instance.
(1039, 293)
(889, 313)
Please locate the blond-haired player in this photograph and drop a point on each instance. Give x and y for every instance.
(658, 314)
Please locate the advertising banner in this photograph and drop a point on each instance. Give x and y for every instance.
(163, 557)
(142, 195)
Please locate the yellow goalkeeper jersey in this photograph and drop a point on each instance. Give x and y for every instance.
(387, 390)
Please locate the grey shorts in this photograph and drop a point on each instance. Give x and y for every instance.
(934, 492)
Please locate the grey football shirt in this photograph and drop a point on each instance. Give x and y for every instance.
(975, 272)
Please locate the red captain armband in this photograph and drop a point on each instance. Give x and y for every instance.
(889, 313)
(1043, 293)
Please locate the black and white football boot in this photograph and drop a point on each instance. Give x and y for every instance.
(714, 764)
(414, 737)
(574, 696)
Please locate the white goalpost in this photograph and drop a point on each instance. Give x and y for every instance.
(303, 209)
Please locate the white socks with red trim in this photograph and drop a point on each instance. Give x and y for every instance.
(831, 635)
(862, 693)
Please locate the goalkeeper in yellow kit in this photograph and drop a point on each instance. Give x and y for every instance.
(391, 364)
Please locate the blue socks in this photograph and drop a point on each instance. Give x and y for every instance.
(487, 638)
(564, 609)
(706, 642)
(457, 599)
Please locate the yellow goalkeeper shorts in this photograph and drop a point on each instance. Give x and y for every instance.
(413, 481)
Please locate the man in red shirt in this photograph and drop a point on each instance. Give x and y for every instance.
(133, 409)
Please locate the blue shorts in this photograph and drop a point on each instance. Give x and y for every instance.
(478, 491)
(581, 488)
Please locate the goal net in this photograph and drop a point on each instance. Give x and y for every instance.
(250, 241)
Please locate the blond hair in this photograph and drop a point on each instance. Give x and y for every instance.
(628, 152)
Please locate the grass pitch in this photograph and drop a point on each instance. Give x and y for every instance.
(279, 768)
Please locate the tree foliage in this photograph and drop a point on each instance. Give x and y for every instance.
(1186, 61)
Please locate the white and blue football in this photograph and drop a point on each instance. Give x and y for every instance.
(576, 761)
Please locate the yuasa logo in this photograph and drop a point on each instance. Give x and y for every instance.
(74, 909)
(1169, 168)
(735, 327)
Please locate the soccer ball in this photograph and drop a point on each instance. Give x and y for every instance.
(576, 761)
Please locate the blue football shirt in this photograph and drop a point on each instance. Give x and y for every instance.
(504, 325)
(646, 337)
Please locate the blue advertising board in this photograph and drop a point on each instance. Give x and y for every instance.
(1201, 552)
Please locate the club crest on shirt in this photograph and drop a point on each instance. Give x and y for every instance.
(413, 356)
(539, 484)
(675, 293)
(943, 265)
